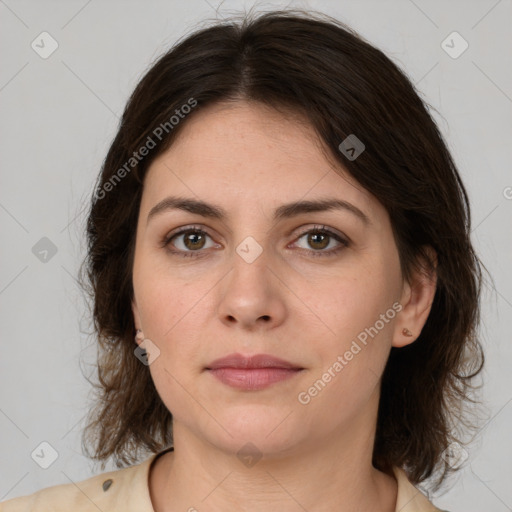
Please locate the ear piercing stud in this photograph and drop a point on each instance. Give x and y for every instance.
(406, 332)
(139, 335)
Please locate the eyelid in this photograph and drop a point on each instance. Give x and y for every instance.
(343, 241)
(317, 227)
(182, 230)
(322, 227)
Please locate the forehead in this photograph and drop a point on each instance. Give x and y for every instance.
(242, 152)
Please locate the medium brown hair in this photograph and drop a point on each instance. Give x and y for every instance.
(316, 66)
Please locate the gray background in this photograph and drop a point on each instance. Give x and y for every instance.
(58, 117)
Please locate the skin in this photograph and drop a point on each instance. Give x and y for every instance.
(303, 308)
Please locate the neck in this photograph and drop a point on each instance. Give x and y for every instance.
(317, 477)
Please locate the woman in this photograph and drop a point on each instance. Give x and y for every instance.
(285, 291)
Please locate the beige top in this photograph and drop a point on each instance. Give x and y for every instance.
(127, 490)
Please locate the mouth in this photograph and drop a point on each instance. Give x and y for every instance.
(257, 361)
(252, 373)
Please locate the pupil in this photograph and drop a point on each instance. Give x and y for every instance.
(193, 238)
(315, 240)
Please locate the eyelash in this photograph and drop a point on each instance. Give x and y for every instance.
(197, 254)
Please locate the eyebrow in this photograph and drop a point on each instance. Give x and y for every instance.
(284, 211)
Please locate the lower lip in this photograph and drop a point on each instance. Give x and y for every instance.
(252, 379)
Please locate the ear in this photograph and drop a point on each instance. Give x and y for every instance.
(416, 300)
(136, 321)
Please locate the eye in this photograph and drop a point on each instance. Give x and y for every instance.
(321, 237)
(192, 241)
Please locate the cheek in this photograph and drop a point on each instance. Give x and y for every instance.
(352, 359)
(175, 313)
(348, 305)
(360, 316)
(172, 314)
(163, 298)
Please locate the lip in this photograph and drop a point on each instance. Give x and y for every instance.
(251, 362)
(252, 373)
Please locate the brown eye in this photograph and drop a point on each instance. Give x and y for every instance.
(186, 242)
(190, 242)
(193, 240)
(319, 238)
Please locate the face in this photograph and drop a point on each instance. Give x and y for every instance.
(326, 301)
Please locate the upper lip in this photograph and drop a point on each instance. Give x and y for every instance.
(255, 361)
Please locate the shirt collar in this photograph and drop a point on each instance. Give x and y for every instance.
(409, 498)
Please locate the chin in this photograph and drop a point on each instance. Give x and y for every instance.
(264, 430)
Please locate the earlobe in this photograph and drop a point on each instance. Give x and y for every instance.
(139, 337)
(417, 299)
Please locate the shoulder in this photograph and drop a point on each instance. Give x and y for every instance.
(409, 498)
(122, 490)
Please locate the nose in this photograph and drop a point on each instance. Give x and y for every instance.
(252, 295)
